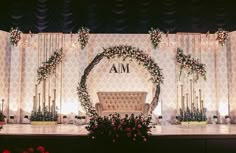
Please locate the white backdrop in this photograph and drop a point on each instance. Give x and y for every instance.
(19, 68)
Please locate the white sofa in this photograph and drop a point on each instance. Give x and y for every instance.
(122, 103)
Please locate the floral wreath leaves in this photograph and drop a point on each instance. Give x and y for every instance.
(83, 36)
(191, 65)
(222, 36)
(122, 51)
(15, 36)
(155, 36)
(49, 67)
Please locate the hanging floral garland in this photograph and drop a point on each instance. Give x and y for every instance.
(122, 52)
(222, 36)
(191, 65)
(83, 34)
(49, 67)
(15, 36)
(155, 36)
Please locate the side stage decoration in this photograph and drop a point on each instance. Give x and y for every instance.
(222, 36)
(116, 129)
(120, 52)
(155, 36)
(15, 36)
(83, 36)
(49, 67)
(191, 65)
(192, 109)
(41, 112)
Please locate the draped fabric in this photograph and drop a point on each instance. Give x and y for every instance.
(117, 16)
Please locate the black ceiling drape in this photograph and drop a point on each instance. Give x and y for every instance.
(118, 16)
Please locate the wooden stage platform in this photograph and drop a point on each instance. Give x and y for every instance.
(64, 138)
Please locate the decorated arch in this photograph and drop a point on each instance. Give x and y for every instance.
(125, 52)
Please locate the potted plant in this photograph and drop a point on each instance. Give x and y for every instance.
(2, 118)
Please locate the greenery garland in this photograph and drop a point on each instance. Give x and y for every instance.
(191, 65)
(83, 36)
(49, 67)
(192, 115)
(112, 52)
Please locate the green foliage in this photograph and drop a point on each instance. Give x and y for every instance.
(43, 115)
(194, 115)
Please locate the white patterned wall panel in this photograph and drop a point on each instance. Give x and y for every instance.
(215, 91)
(4, 70)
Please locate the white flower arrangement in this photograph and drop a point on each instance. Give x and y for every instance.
(83, 34)
(15, 36)
(222, 36)
(155, 36)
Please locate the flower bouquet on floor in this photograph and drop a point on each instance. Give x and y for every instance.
(115, 129)
(44, 117)
(195, 116)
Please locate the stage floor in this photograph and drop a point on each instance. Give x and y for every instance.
(159, 130)
(63, 138)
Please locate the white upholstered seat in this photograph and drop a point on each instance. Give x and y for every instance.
(122, 103)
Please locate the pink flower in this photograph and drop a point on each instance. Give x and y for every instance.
(133, 129)
(30, 150)
(41, 149)
(144, 139)
(139, 126)
(139, 133)
(6, 151)
(128, 134)
(127, 129)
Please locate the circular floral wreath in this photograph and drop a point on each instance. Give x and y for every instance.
(120, 52)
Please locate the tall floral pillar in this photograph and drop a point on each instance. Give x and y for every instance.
(15, 81)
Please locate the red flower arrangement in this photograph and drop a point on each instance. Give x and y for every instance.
(115, 129)
(39, 149)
